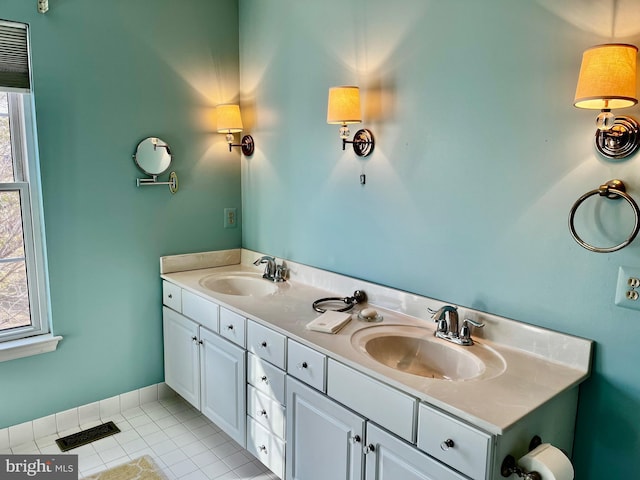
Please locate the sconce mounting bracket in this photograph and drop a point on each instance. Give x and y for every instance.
(622, 140)
(248, 146)
(363, 142)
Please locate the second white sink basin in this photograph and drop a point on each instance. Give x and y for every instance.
(414, 350)
(240, 284)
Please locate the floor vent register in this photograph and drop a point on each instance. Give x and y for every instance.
(87, 436)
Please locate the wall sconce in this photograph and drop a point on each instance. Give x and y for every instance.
(230, 122)
(608, 80)
(344, 109)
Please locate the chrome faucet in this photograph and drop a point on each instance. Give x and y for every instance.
(448, 325)
(272, 271)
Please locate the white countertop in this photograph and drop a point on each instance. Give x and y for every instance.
(530, 378)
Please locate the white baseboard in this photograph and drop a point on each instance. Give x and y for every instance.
(79, 418)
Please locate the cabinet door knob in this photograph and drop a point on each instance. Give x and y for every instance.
(264, 379)
(447, 444)
(200, 342)
(262, 413)
(229, 327)
(194, 339)
(170, 295)
(356, 439)
(369, 449)
(262, 448)
(263, 345)
(302, 365)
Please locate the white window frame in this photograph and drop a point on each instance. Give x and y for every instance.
(36, 338)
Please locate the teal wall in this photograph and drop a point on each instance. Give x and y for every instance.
(107, 74)
(480, 156)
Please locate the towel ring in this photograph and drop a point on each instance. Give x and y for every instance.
(358, 297)
(613, 189)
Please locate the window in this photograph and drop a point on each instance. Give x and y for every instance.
(23, 293)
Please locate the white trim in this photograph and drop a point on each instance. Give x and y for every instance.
(26, 347)
(26, 170)
(82, 417)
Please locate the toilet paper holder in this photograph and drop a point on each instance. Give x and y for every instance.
(509, 465)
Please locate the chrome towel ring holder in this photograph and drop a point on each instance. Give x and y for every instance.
(358, 297)
(613, 189)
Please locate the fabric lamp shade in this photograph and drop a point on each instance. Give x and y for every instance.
(229, 120)
(607, 77)
(344, 105)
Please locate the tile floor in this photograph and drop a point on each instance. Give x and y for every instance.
(184, 443)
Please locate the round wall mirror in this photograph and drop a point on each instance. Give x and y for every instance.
(153, 156)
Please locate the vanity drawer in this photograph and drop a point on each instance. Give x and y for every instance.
(202, 311)
(172, 296)
(266, 447)
(469, 450)
(306, 364)
(265, 377)
(232, 326)
(266, 411)
(390, 408)
(266, 343)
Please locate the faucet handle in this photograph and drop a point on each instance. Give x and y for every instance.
(281, 273)
(465, 331)
(475, 323)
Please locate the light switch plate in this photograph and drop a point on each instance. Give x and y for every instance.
(628, 288)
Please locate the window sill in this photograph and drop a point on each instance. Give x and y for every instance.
(26, 347)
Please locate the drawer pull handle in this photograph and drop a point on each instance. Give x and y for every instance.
(302, 365)
(262, 413)
(263, 345)
(262, 448)
(229, 327)
(264, 379)
(369, 449)
(356, 439)
(447, 444)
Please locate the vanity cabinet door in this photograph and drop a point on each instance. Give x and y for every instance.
(324, 439)
(223, 399)
(181, 356)
(389, 458)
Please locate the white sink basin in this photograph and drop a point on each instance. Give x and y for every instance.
(415, 351)
(240, 284)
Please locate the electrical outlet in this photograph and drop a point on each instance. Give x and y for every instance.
(628, 288)
(230, 218)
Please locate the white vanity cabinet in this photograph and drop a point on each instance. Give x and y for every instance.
(266, 396)
(310, 411)
(324, 439)
(222, 371)
(389, 458)
(307, 365)
(181, 356)
(453, 442)
(201, 366)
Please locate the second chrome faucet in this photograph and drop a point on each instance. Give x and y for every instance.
(272, 271)
(448, 325)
